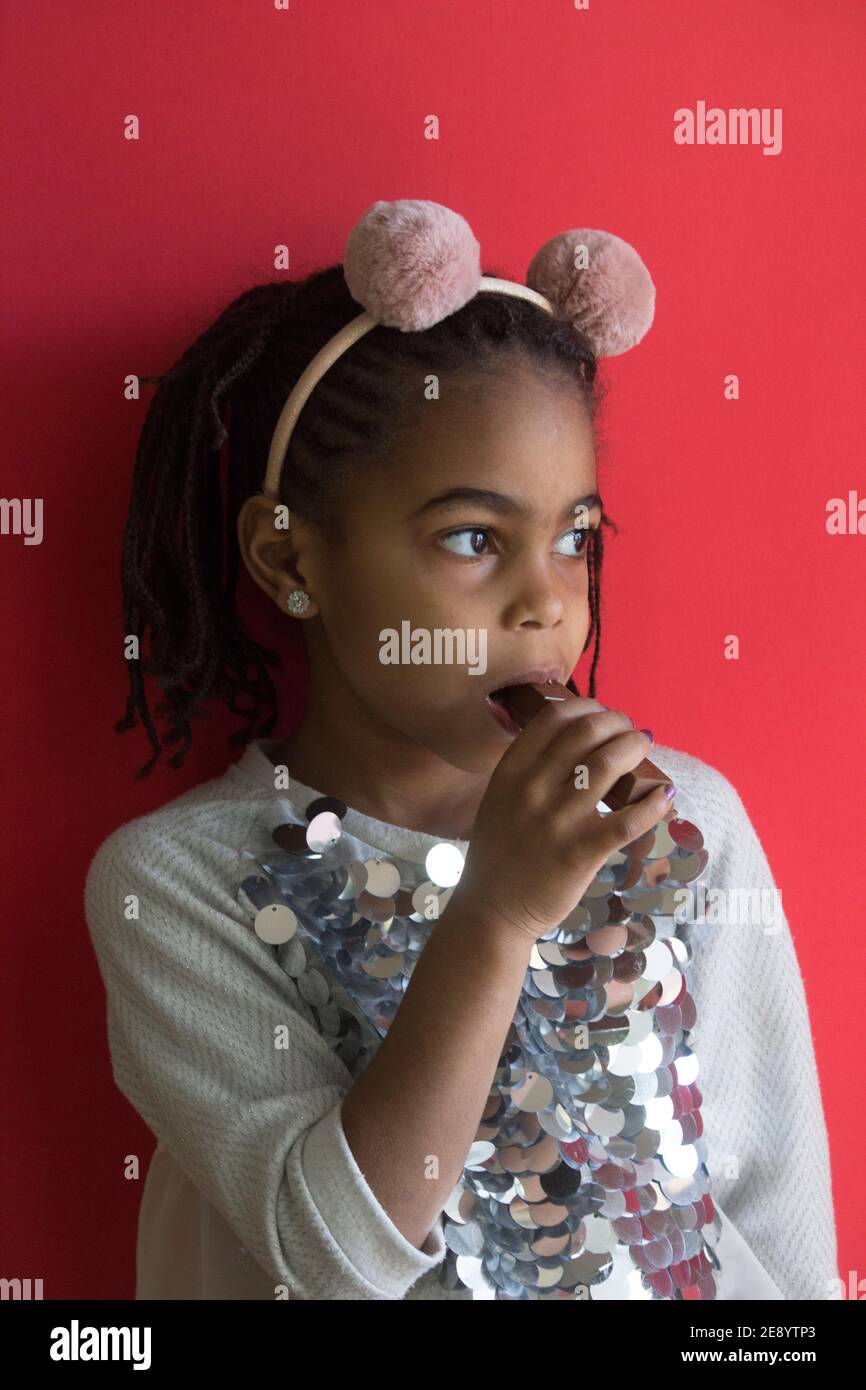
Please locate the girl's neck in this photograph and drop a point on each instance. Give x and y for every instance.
(412, 789)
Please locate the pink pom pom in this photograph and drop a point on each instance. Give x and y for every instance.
(411, 263)
(611, 298)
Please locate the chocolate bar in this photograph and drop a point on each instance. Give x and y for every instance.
(523, 701)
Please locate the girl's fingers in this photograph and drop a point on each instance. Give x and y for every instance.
(619, 828)
(547, 727)
(613, 759)
(594, 743)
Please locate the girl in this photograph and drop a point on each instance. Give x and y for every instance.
(431, 471)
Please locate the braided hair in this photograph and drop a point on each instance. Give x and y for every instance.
(180, 550)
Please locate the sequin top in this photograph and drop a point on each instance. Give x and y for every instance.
(253, 1191)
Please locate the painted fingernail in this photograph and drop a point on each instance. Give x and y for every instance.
(670, 792)
(649, 734)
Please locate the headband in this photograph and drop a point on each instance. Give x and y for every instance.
(412, 263)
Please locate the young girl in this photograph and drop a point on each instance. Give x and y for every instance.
(435, 467)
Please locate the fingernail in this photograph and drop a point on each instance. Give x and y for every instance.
(670, 792)
(649, 734)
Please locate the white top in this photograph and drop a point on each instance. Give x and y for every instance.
(253, 1191)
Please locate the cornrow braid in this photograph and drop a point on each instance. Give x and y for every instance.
(181, 556)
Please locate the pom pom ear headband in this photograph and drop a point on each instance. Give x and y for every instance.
(412, 263)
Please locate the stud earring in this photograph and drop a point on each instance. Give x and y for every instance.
(298, 602)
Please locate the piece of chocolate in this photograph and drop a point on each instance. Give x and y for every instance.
(523, 701)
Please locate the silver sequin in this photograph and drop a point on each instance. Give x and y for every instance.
(587, 1178)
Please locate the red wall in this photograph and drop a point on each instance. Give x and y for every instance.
(261, 126)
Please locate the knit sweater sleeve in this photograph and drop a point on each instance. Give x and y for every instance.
(768, 1148)
(195, 1005)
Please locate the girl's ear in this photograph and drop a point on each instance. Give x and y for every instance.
(269, 551)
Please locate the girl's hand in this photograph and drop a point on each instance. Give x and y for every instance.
(538, 841)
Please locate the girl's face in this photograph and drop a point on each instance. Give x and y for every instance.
(505, 571)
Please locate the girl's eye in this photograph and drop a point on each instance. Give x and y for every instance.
(584, 534)
(474, 531)
(466, 531)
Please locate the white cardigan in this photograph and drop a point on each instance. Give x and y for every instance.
(253, 1191)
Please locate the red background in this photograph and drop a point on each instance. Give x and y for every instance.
(260, 127)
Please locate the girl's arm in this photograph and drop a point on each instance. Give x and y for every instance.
(196, 1003)
(764, 1122)
(413, 1115)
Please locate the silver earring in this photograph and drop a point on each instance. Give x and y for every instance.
(298, 602)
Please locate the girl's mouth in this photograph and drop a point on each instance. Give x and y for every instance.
(496, 703)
